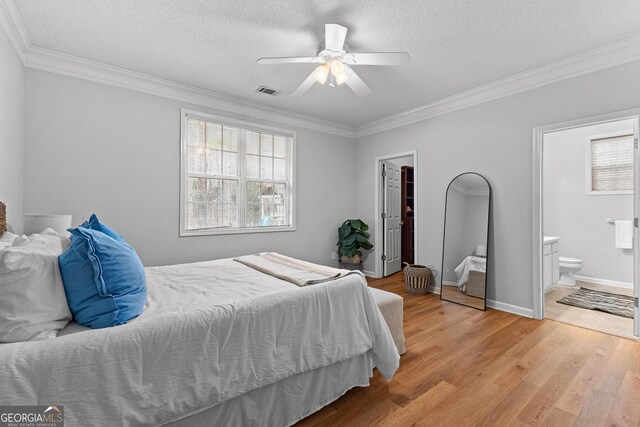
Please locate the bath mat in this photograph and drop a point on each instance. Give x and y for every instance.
(620, 305)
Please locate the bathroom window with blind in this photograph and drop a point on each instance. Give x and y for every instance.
(236, 177)
(610, 165)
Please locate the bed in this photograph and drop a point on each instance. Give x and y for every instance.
(219, 343)
(471, 267)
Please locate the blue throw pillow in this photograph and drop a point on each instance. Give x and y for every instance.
(95, 224)
(103, 278)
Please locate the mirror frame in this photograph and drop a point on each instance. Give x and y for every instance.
(444, 235)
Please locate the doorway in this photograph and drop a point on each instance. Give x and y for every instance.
(396, 207)
(585, 242)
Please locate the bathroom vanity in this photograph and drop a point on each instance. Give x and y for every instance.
(551, 262)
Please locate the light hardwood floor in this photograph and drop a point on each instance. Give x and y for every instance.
(592, 319)
(465, 367)
(451, 293)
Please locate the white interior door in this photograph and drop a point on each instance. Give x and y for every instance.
(636, 233)
(391, 218)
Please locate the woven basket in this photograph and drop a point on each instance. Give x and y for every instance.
(417, 278)
(3, 218)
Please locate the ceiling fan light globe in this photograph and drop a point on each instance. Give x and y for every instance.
(337, 68)
(341, 78)
(321, 73)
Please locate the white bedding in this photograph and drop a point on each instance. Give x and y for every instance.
(211, 331)
(469, 263)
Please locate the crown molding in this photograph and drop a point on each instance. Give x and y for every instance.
(469, 191)
(55, 62)
(12, 24)
(614, 54)
(69, 65)
(611, 55)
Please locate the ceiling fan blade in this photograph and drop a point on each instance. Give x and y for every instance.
(305, 86)
(334, 36)
(356, 84)
(289, 60)
(382, 58)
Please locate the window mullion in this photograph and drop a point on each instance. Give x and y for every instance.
(241, 199)
(206, 184)
(289, 178)
(205, 176)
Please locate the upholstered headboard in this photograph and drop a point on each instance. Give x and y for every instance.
(3, 218)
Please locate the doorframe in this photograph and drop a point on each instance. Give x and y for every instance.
(378, 247)
(537, 220)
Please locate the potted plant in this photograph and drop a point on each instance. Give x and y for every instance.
(352, 236)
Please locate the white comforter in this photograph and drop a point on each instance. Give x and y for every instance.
(211, 331)
(469, 263)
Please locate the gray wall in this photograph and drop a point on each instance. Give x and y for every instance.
(453, 246)
(403, 161)
(466, 229)
(580, 219)
(94, 148)
(494, 139)
(11, 132)
(477, 215)
(90, 147)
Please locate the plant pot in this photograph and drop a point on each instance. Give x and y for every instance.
(349, 266)
(353, 260)
(353, 263)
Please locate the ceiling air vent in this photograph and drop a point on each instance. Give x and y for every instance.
(267, 91)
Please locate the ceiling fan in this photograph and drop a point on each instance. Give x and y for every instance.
(335, 63)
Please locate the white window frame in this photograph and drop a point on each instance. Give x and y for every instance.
(290, 181)
(589, 190)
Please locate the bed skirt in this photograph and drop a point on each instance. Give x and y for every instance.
(287, 401)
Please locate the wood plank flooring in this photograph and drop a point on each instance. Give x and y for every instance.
(465, 367)
(451, 293)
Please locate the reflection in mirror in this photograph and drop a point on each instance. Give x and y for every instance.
(465, 246)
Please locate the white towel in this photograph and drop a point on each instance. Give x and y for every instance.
(624, 234)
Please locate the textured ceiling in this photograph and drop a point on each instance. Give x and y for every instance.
(454, 45)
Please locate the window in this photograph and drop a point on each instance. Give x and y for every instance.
(610, 166)
(236, 177)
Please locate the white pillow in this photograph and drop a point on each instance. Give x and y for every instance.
(7, 239)
(33, 304)
(48, 237)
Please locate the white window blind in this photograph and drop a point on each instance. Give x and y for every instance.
(235, 178)
(612, 164)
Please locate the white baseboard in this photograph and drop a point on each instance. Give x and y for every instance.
(509, 308)
(503, 306)
(605, 282)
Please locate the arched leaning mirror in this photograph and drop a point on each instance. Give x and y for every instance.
(466, 241)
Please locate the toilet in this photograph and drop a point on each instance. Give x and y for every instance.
(568, 268)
